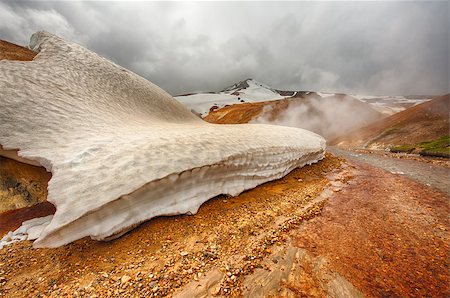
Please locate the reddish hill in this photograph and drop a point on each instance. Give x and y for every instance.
(426, 121)
(246, 112)
(10, 51)
(330, 116)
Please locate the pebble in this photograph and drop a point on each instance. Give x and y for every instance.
(125, 279)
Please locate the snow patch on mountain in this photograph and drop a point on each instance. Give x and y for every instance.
(245, 91)
(390, 105)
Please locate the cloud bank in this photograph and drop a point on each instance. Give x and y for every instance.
(351, 47)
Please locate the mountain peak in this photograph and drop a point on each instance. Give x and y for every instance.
(245, 84)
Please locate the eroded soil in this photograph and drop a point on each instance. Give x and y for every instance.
(388, 235)
(232, 235)
(381, 235)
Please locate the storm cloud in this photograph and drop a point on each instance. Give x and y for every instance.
(350, 47)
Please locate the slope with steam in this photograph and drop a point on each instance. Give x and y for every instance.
(121, 150)
(329, 116)
(423, 122)
(254, 92)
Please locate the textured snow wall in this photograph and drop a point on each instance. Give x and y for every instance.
(121, 150)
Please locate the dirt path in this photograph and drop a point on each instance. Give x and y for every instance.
(425, 173)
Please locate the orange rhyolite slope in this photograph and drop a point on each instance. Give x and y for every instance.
(10, 51)
(426, 121)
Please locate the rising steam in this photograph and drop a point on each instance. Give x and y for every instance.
(330, 117)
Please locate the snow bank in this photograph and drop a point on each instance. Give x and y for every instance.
(121, 150)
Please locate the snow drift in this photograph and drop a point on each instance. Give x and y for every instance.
(121, 150)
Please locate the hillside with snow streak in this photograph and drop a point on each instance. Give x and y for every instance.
(245, 91)
(121, 150)
(252, 91)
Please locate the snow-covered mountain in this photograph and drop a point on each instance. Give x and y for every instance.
(392, 104)
(245, 91)
(251, 90)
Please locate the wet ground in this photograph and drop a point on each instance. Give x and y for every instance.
(385, 234)
(427, 173)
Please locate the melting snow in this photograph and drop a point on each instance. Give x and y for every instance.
(29, 230)
(121, 150)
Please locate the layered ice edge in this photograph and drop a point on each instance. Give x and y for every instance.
(121, 150)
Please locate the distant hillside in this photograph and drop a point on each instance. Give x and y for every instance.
(424, 122)
(10, 51)
(252, 91)
(245, 91)
(329, 116)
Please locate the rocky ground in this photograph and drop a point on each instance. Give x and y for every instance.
(337, 228)
(232, 235)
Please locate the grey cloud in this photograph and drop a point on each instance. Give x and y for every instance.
(352, 47)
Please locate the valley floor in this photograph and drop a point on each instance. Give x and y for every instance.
(337, 228)
(432, 172)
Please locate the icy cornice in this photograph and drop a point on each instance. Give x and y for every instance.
(121, 150)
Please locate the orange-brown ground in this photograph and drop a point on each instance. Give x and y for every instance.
(245, 112)
(232, 234)
(10, 51)
(387, 235)
(424, 122)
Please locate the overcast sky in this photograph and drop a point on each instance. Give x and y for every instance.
(351, 47)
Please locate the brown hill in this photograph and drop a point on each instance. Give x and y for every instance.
(246, 112)
(426, 121)
(330, 117)
(10, 51)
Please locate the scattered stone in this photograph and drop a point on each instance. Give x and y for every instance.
(125, 279)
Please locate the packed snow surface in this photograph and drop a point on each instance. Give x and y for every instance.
(254, 92)
(121, 150)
